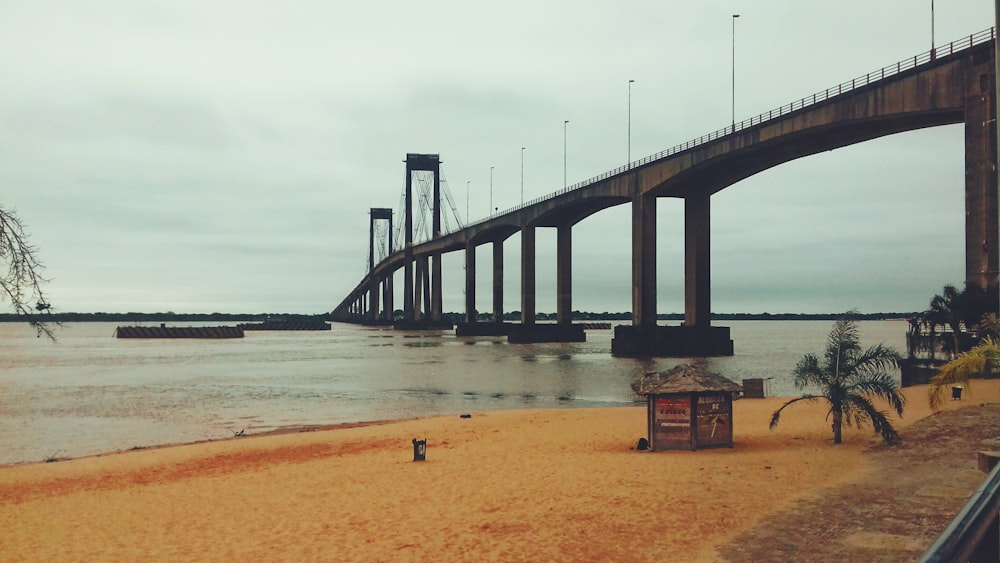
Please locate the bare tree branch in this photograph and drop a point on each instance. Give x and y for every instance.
(21, 283)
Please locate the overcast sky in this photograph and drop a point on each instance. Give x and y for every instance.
(199, 156)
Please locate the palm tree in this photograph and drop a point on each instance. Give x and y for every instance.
(946, 310)
(980, 361)
(967, 307)
(850, 377)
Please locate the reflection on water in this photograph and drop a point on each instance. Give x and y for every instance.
(92, 393)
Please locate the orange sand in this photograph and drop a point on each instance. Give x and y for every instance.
(526, 485)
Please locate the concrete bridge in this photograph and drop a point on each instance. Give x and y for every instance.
(953, 84)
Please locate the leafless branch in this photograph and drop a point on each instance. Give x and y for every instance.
(21, 283)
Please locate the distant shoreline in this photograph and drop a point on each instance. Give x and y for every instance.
(454, 317)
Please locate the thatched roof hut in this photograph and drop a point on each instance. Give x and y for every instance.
(683, 378)
(688, 408)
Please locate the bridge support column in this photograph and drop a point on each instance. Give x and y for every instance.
(697, 262)
(387, 299)
(417, 306)
(470, 283)
(564, 275)
(644, 261)
(498, 281)
(408, 317)
(436, 306)
(527, 276)
(640, 338)
(981, 221)
(373, 291)
(426, 285)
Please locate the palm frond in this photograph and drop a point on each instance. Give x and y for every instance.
(978, 361)
(808, 372)
(777, 414)
(842, 341)
(883, 386)
(875, 359)
(863, 411)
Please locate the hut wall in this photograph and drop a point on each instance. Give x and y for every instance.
(671, 422)
(714, 420)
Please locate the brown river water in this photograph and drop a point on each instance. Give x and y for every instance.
(91, 393)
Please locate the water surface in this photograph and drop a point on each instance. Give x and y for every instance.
(92, 393)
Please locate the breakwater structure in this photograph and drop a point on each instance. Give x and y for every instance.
(164, 331)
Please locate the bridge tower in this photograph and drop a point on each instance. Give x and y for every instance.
(378, 214)
(425, 289)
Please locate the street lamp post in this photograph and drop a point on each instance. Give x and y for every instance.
(491, 190)
(734, 71)
(565, 123)
(467, 218)
(522, 175)
(628, 161)
(933, 53)
(996, 78)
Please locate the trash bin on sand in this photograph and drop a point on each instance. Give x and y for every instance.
(419, 449)
(956, 393)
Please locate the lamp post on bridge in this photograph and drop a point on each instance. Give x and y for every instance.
(491, 190)
(565, 123)
(467, 218)
(522, 175)
(933, 53)
(734, 71)
(628, 160)
(996, 78)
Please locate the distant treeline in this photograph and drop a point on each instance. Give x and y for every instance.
(512, 316)
(168, 316)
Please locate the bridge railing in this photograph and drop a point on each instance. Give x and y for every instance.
(842, 88)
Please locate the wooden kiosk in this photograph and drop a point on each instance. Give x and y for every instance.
(688, 408)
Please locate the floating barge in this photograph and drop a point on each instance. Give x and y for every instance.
(287, 325)
(164, 331)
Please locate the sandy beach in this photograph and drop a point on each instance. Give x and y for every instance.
(561, 484)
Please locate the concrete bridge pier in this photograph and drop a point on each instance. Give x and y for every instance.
(471, 326)
(564, 330)
(387, 299)
(425, 271)
(696, 336)
(373, 292)
(564, 274)
(436, 301)
(498, 281)
(419, 287)
(470, 283)
(981, 221)
(527, 276)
